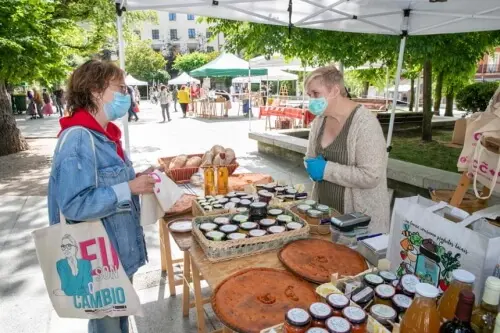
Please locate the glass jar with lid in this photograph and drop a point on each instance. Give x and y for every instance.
(276, 229)
(384, 294)
(239, 219)
(245, 203)
(221, 220)
(275, 212)
(302, 210)
(388, 276)
(311, 203)
(338, 325)
(293, 226)
(384, 314)
(372, 280)
(461, 280)
(316, 330)
(265, 196)
(257, 211)
(401, 303)
(356, 317)
(296, 321)
(314, 216)
(407, 283)
(215, 236)
(337, 302)
(283, 220)
(228, 228)
(257, 233)
(236, 236)
(320, 312)
(323, 209)
(266, 223)
(208, 226)
(245, 227)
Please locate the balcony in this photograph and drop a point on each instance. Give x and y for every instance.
(493, 68)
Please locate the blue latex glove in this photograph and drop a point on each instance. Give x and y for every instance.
(316, 168)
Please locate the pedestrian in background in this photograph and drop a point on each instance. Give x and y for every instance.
(131, 112)
(59, 101)
(47, 103)
(37, 98)
(183, 97)
(31, 104)
(165, 99)
(137, 95)
(174, 97)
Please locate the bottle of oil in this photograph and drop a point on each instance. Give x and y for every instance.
(483, 317)
(222, 176)
(209, 183)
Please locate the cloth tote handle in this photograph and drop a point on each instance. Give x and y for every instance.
(63, 140)
(477, 155)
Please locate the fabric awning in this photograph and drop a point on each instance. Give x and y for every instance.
(227, 65)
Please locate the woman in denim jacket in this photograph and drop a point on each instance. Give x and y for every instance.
(97, 95)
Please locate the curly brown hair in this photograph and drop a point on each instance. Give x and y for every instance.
(93, 76)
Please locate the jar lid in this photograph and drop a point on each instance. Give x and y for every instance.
(385, 291)
(284, 218)
(221, 220)
(463, 276)
(217, 206)
(228, 228)
(235, 200)
(215, 235)
(314, 213)
(230, 205)
(373, 279)
(236, 236)
(265, 194)
(383, 312)
(316, 330)
(279, 189)
(388, 276)
(218, 197)
(248, 225)
(258, 205)
(320, 311)
(323, 208)
(395, 283)
(257, 233)
(293, 226)
(401, 301)
(408, 283)
(354, 314)
(208, 226)
(267, 222)
(240, 218)
(298, 317)
(426, 290)
(275, 211)
(337, 301)
(248, 197)
(291, 191)
(276, 229)
(310, 202)
(338, 325)
(270, 186)
(241, 194)
(230, 195)
(223, 201)
(245, 202)
(242, 210)
(208, 197)
(303, 208)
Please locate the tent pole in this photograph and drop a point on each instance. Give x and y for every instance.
(304, 88)
(396, 90)
(387, 79)
(121, 54)
(249, 99)
(417, 95)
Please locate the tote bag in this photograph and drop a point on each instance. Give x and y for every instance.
(83, 274)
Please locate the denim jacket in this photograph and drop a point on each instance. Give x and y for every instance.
(73, 191)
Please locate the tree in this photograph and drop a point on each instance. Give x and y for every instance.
(475, 97)
(190, 61)
(142, 62)
(438, 92)
(358, 79)
(427, 107)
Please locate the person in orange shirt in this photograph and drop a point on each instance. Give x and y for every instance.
(183, 97)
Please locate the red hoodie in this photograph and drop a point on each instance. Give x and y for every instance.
(85, 119)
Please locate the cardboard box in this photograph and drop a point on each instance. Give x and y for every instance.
(458, 137)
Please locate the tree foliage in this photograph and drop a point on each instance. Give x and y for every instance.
(475, 97)
(355, 79)
(190, 61)
(142, 62)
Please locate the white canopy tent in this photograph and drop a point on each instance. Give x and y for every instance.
(394, 17)
(184, 78)
(273, 74)
(132, 81)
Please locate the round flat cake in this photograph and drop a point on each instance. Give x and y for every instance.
(316, 260)
(257, 298)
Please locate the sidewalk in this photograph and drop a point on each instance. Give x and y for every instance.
(23, 299)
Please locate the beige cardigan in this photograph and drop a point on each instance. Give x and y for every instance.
(365, 176)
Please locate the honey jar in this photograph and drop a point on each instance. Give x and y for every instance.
(314, 216)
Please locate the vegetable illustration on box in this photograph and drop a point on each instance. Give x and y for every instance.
(426, 259)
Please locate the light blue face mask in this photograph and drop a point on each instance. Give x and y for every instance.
(317, 106)
(118, 107)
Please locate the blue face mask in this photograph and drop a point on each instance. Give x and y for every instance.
(118, 107)
(317, 106)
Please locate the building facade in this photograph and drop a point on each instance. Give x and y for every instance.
(179, 33)
(488, 68)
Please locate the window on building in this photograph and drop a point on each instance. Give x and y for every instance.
(209, 34)
(173, 34)
(190, 17)
(191, 33)
(172, 16)
(155, 34)
(210, 49)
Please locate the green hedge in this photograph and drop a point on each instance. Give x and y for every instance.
(475, 97)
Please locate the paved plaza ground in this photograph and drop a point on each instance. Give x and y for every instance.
(24, 302)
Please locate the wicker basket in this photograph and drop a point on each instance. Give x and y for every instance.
(227, 250)
(182, 175)
(197, 210)
(470, 203)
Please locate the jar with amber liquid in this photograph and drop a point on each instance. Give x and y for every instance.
(209, 180)
(422, 316)
(461, 280)
(222, 177)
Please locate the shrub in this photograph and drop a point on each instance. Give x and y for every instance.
(475, 97)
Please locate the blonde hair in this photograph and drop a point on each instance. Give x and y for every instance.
(330, 76)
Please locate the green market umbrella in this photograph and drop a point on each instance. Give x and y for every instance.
(227, 65)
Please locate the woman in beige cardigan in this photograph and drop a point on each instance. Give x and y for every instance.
(346, 155)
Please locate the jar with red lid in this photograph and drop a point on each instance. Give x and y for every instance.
(320, 312)
(296, 321)
(356, 317)
(337, 302)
